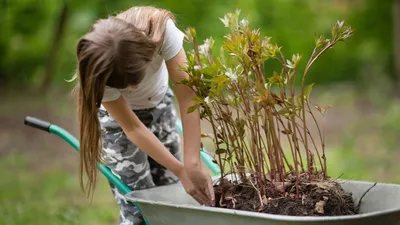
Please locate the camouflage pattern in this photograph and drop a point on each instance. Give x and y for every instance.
(130, 163)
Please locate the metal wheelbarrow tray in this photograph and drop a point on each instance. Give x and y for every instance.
(171, 205)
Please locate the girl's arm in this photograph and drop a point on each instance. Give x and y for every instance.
(190, 121)
(191, 128)
(139, 134)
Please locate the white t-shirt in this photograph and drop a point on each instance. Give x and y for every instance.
(151, 90)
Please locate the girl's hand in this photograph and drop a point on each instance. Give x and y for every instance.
(198, 184)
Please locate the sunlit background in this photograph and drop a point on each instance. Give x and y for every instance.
(39, 172)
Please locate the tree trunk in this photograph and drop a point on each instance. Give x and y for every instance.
(396, 42)
(55, 45)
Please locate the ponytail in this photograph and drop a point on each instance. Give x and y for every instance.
(92, 73)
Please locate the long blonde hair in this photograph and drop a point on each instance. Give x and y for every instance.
(115, 52)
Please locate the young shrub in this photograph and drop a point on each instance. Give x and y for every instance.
(253, 111)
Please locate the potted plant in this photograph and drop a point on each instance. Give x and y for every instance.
(270, 163)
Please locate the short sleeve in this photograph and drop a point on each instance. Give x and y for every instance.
(173, 41)
(110, 94)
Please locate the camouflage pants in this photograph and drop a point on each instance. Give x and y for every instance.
(130, 163)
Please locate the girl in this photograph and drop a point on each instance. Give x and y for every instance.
(126, 113)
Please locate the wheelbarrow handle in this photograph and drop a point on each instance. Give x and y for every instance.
(54, 129)
(70, 139)
(37, 123)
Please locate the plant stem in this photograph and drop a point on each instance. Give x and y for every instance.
(275, 148)
(315, 146)
(196, 52)
(222, 169)
(269, 149)
(324, 169)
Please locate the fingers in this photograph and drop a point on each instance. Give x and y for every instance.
(206, 193)
(200, 187)
(200, 198)
(198, 195)
(210, 191)
(204, 200)
(197, 199)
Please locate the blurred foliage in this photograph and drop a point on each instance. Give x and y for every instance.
(52, 196)
(28, 28)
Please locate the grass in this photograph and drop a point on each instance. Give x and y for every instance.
(52, 196)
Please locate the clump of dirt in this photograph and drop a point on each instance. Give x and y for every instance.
(315, 198)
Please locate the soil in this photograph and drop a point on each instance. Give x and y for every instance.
(316, 198)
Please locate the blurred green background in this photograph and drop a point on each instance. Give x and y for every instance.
(39, 172)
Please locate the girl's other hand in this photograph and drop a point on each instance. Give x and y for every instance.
(198, 184)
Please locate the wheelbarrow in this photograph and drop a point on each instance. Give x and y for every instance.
(171, 205)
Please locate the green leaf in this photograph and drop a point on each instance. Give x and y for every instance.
(220, 151)
(276, 79)
(288, 101)
(198, 100)
(229, 158)
(193, 108)
(207, 70)
(203, 135)
(296, 59)
(289, 64)
(307, 91)
(183, 81)
(219, 83)
(323, 109)
(284, 111)
(192, 31)
(182, 68)
(220, 142)
(298, 100)
(190, 34)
